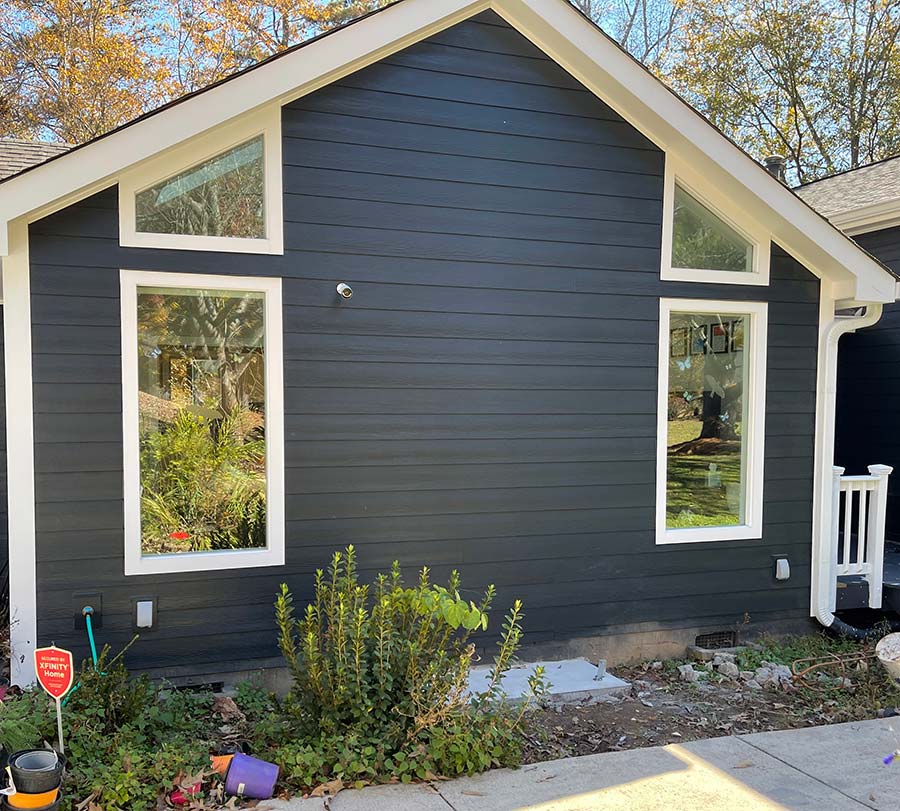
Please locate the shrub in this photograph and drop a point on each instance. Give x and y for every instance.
(24, 720)
(380, 680)
(128, 740)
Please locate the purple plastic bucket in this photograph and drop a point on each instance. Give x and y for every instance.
(251, 777)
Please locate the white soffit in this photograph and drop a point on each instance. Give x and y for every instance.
(555, 27)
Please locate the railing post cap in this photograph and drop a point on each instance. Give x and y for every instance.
(838, 470)
(881, 470)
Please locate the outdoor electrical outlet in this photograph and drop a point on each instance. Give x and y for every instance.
(144, 613)
(782, 568)
(81, 599)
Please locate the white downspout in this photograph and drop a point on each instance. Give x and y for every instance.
(824, 555)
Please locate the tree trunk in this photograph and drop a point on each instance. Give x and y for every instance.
(714, 427)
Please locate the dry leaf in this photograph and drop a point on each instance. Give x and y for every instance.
(88, 804)
(473, 793)
(227, 709)
(744, 764)
(328, 789)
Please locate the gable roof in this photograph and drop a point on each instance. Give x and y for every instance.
(556, 27)
(17, 155)
(858, 200)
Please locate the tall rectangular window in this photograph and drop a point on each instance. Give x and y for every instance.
(202, 405)
(712, 390)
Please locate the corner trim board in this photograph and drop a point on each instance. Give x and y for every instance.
(20, 456)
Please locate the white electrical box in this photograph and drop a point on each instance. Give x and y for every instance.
(144, 614)
(782, 569)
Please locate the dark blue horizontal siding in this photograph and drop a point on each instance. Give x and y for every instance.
(868, 395)
(485, 401)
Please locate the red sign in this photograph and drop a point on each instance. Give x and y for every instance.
(55, 670)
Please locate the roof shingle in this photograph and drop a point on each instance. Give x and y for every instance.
(854, 189)
(16, 155)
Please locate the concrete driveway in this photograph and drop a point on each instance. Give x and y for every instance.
(829, 768)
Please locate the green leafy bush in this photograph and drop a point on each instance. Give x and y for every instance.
(128, 741)
(380, 680)
(24, 719)
(380, 692)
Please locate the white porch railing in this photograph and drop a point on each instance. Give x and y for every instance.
(858, 505)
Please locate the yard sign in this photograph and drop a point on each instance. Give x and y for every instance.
(55, 670)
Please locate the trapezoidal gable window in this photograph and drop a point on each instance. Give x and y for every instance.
(711, 418)
(220, 191)
(705, 242)
(202, 421)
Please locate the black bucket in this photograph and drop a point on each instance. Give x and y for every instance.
(35, 771)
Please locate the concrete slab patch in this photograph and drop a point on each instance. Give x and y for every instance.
(846, 756)
(571, 681)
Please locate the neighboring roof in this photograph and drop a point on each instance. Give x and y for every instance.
(17, 155)
(858, 200)
(560, 30)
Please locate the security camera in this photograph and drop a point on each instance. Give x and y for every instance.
(344, 290)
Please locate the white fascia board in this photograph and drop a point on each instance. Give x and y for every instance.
(874, 217)
(556, 28)
(598, 63)
(96, 165)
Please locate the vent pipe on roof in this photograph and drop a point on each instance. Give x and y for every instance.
(776, 165)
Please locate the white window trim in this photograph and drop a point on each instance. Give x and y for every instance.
(266, 122)
(273, 553)
(701, 189)
(755, 420)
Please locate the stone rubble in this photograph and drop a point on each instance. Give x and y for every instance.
(729, 669)
(768, 676)
(772, 675)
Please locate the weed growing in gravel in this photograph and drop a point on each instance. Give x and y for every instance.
(844, 682)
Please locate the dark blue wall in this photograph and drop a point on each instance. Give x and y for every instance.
(487, 398)
(869, 387)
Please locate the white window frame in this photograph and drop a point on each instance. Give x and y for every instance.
(754, 405)
(699, 188)
(267, 123)
(273, 554)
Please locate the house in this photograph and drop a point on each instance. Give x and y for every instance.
(461, 284)
(865, 203)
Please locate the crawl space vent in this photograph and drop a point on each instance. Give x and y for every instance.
(716, 639)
